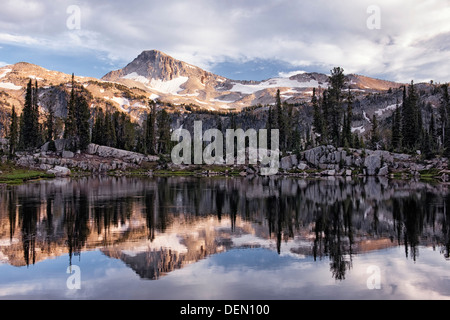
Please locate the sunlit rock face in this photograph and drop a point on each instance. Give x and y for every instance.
(156, 76)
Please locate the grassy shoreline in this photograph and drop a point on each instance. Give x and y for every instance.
(10, 174)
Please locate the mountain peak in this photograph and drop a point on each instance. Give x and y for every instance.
(173, 80)
(152, 55)
(153, 64)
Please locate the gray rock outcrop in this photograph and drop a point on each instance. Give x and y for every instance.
(372, 164)
(127, 156)
(59, 171)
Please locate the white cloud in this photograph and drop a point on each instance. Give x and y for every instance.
(318, 34)
(18, 39)
(290, 73)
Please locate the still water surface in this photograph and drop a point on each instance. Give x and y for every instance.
(224, 238)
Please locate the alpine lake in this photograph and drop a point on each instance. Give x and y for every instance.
(238, 238)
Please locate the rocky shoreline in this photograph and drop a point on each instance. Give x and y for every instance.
(318, 161)
(332, 161)
(96, 160)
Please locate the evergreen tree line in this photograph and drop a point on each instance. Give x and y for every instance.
(281, 117)
(332, 118)
(30, 130)
(410, 133)
(333, 115)
(113, 129)
(27, 132)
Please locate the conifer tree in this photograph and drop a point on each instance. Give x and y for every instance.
(404, 113)
(289, 124)
(13, 133)
(326, 129)
(29, 124)
(150, 131)
(432, 133)
(396, 129)
(50, 129)
(109, 131)
(281, 122)
(444, 109)
(83, 115)
(70, 124)
(124, 131)
(37, 141)
(335, 100)
(21, 144)
(269, 125)
(275, 112)
(318, 117)
(120, 129)
(77, 127)
(164, 141)
(356, 141)
(347, 129)
(129, 139)
(412, 118)
(374, 136)
(98, 136)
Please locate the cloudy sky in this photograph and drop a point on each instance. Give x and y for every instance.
(399, 40)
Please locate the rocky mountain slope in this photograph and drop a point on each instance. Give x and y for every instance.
(156, 76)
(178, 82)
(54, 89)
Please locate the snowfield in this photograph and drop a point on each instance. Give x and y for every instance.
(35, 78)
(5, 72)
(381, 111)
(365, 117)
(121, 101)
(273, 83)
(134, 76)
(154, 96)
(223, 101)
(139, 105)
(169, 87)
(10, 86)
(360, 129)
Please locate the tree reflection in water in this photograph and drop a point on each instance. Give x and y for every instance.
(337, 218)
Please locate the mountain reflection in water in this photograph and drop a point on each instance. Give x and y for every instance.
(157, 225)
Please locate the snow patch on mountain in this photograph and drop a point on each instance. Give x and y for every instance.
(366, 117)
(10, 86)
(273, 83)
(169, 87)
(134, 76)
(139, 105)
(121, 101)
(361, 129)
(223, 101)
(35, 78)
(388, 108)
(154, 96)
(5, 72)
